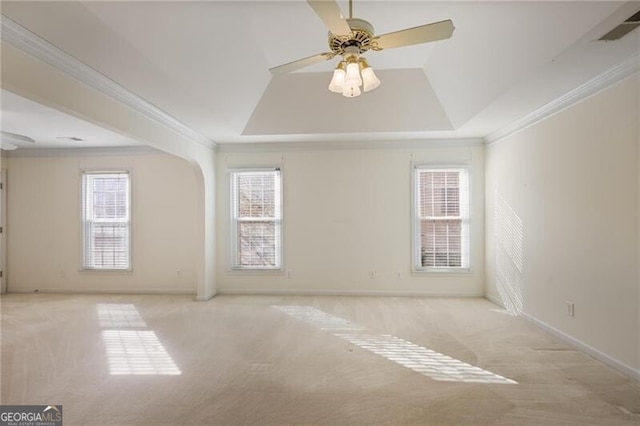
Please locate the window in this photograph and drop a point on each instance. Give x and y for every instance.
(441, 218)
(106, 220)
(256, 203)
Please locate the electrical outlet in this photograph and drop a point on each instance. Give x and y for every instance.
(288, 273)
(570, 309)
(372, 273)
(398, 275)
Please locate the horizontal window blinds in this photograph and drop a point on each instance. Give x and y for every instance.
(442, 201)
(106, 220)
(257, 216)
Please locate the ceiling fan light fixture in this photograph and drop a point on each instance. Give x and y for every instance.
(353, 74)
(369, 78)
(338, 80)
(351, 91)
(351, 37)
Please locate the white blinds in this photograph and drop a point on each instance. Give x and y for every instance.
(442, 203)
(106, 220)
(257, 216)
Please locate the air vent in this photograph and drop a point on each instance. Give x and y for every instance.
(623, 29)
(70, 138)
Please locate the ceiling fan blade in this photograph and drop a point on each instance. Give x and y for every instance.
(301, 63)
(331, 15)
(416, 35)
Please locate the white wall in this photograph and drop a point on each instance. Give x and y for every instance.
(347, 212)
(44, 243)
(92, 98)
(562, 221)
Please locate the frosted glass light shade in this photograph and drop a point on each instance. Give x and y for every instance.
(370, 80)
(337, 82)
(353, 75)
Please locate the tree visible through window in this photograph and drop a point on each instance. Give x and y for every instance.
(442, 218)
(257, 216)
(106, 220)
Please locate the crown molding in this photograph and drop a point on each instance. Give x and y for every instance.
(608, 78)
(347, 144)
(111, 151)
(23, 39)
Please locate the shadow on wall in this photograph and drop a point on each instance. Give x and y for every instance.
(509, 256)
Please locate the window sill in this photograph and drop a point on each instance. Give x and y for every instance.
(255, 271)
(442, 271)
(107, 271)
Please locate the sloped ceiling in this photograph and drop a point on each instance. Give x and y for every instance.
(306, 106)
(207, 63)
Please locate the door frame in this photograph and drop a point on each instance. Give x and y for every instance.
(3, 235)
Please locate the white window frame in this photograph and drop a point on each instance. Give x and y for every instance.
(278, 221)
(465, 214)
(85, 235)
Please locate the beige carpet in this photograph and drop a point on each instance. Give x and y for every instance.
(249, 360)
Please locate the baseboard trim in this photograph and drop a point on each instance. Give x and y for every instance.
(249, 292)
(494, 299)
(205, 298)
(100, 291)
(600, 356)
(300, 292)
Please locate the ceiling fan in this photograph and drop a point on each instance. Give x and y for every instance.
(351, 37)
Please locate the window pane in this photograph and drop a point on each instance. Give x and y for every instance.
(441, 243)
(257, 244)
(109, 196)
(424, 194)
(110, 245)
(256, 195)
(439, 193)
(453, 201)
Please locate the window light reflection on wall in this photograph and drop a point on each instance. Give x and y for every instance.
(509, 260)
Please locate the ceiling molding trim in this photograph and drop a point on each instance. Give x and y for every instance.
(338, 145)
(608, 78)
(23, 39)
(115, 151)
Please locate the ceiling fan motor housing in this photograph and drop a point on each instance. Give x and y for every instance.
(361, 37)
